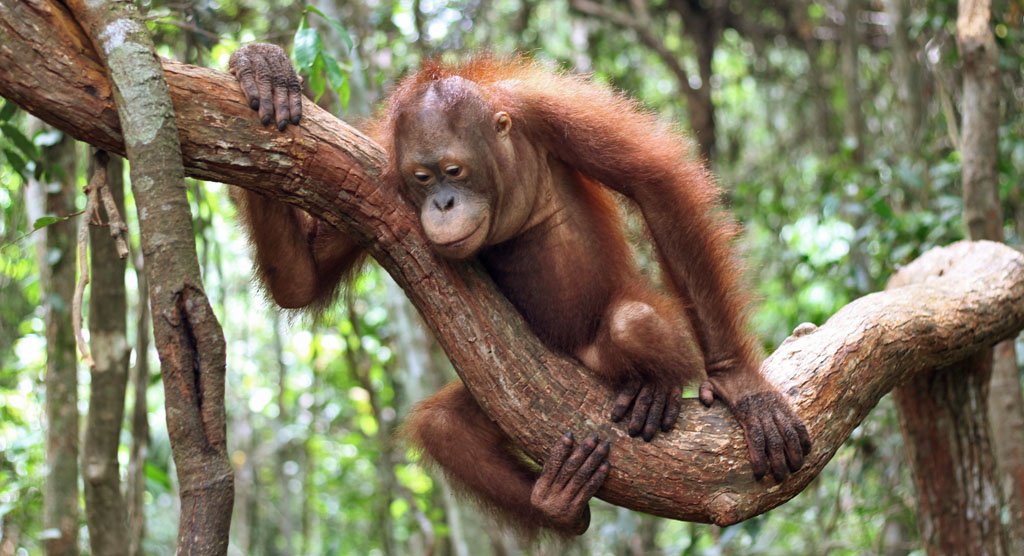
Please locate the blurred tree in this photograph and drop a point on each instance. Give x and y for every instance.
(104, 504)
(983, 218)
(52, 204)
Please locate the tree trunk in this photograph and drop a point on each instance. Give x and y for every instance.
(283, 452)
(136, 483)
(944, 416)
(850, 67)
(983, 217)
(187, 334)
(108, 341)
(905, 73)
(703, 23)
(55, 250)
(832, 376)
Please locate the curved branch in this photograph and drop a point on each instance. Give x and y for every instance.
(833, 375)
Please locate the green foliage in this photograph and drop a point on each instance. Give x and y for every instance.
(322, 67)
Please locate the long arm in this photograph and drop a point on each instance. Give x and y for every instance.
(300, 260)
(609, 138)
(478, 458)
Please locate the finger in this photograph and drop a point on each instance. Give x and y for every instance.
(790, 440)
(264, 85)
(640, 409)
(294, 98)
(707, 393)
(593, 484)
(281, 110)
(654, 416)
(281, 70)
(755, 448)
(774, 448)
(805, 437)
(623, 400)
(675, 405)
(559, 452)
(242, 67)
(589, 467)
(576, 459)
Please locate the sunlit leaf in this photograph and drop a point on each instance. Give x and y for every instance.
(305, 48)
(157, 475)
(46, 221)
(316, 77)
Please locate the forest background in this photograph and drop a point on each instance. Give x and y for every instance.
(834, 129)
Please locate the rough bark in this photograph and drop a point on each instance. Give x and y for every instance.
(108, 342)
(700, 472)
(186, 332)
(983, 216)
(55, 252)
(944, 416)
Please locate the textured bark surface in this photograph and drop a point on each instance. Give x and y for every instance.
(186, 332)
(833, 375)
(55, 252)
(944, 416)
(108, 342)
(983, 216)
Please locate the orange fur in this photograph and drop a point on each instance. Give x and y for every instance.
(572, 277)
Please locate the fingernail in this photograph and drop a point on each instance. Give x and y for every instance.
(254, 104)
(282, 125)
(265, 119)
(295, 120)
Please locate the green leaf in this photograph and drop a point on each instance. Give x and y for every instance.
(882, 209)
(316, 77)
(306, 47)
(16, 161)
(18, 138)
(344, 93)
(7, 111)
(45, 221)
(398, 507)
(157, 475)
(337, 26)
(334, 73)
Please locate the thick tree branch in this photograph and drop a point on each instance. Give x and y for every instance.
(833, 375)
